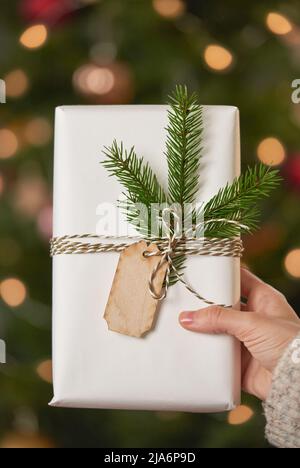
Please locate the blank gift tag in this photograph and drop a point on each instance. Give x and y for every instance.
(130, 309)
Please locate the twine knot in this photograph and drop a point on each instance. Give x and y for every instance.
(173, 245)
(166, 253)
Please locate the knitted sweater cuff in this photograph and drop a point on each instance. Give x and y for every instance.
(282, 407)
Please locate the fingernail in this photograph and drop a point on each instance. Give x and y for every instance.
(186, 318)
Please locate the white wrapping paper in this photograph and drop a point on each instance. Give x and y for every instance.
(170, 368)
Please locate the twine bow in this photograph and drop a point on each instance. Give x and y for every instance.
(168, 248)
(218, 248)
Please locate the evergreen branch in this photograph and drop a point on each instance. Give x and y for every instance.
(234, 202)
(139, 220)
(135, 175)
(237, 201)
(184, 145)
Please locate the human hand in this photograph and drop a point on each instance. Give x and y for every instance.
(265, 327)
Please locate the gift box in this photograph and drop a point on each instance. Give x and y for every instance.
(169, 368)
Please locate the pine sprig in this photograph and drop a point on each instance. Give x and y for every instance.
(136, 176)
(183, 152)
(184, 145)
(140, 182)
(238, 202)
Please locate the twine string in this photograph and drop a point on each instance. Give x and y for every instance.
(168, 248)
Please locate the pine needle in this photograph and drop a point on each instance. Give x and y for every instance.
(140, 182)
(238, 202)
(136, 176)
(184, 145)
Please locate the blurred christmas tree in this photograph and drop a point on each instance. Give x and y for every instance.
(57, 52)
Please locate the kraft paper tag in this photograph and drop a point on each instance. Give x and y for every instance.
(130, 309)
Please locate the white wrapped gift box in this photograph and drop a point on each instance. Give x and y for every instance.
(170, 368)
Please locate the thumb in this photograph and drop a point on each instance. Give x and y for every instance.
(219, 320)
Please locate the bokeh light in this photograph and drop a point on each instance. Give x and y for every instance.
(44, 222)
(278, 23)
(31, 195)
(17, 83)
(111, 83)
(44, 371)
(240, 415)
(38, 131)
(34, 36)
(271, 151)
(100, 81)
(13, 292)
(90, 79)
(19, 440)
(217, 57)
(292, 171)
(50, 12)
(292, 263)
(8, 143)
(169, 8)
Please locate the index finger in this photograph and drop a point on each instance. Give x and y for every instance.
(249, 282)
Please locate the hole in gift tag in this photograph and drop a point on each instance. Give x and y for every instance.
(152, 253)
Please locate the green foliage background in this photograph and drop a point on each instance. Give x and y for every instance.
(159, 54)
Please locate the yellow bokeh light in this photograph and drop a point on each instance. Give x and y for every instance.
(13, 292)
(292, 263)
(8, 143)
(34, 37)
(240, 415)
(38, 131)
(271, 151)
(278, 24)
(44, 371)
(169, 8)
(217, 57)
(17, 83)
